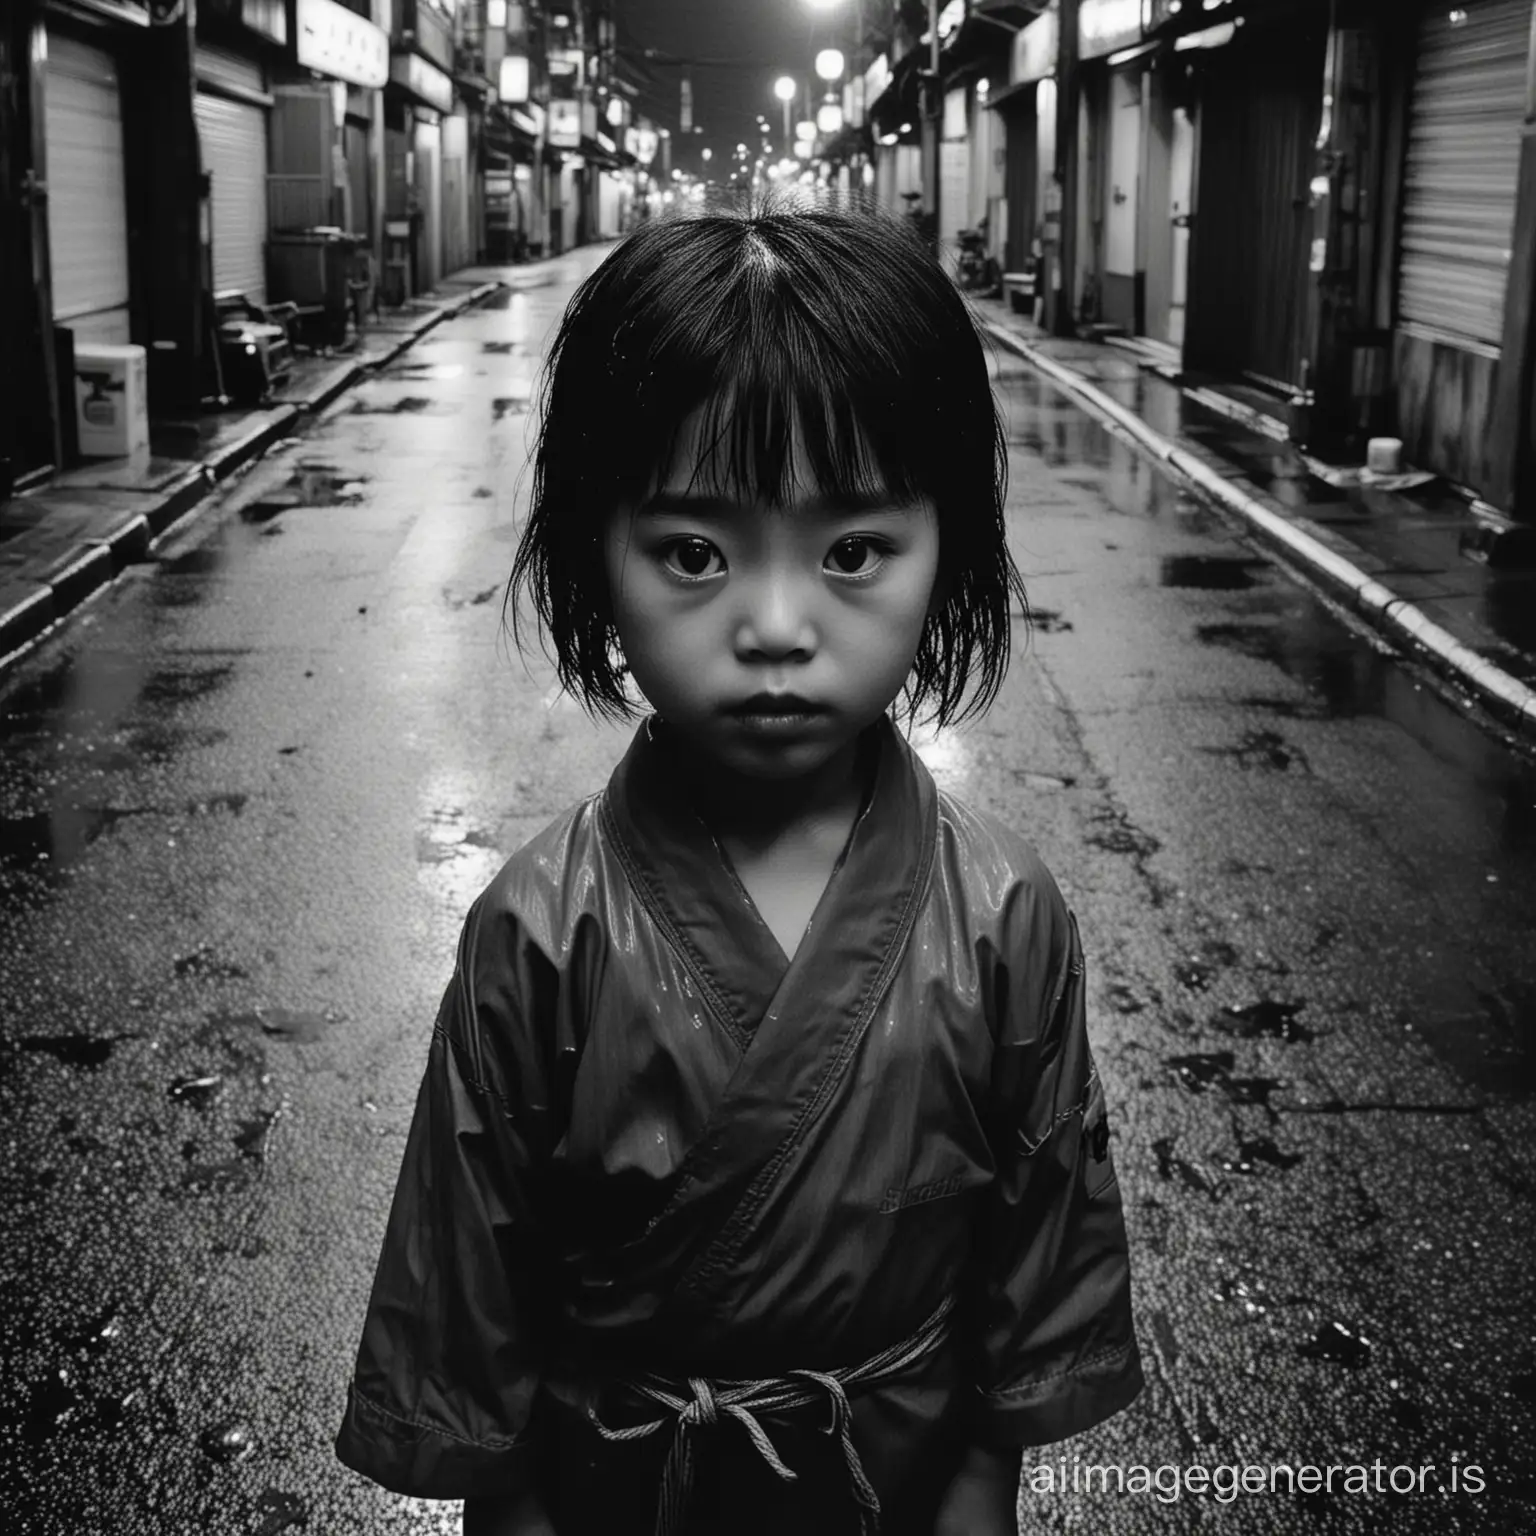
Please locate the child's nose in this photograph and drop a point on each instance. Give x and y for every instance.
(776, 620)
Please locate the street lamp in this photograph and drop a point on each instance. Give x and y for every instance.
(784, 88)
(829, 64)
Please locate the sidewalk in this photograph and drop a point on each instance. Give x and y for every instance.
(1452, 584)
(63, 541)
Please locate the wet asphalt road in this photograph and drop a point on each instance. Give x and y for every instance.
(247, 795)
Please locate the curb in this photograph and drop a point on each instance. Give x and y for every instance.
(1506, 697)
(98, 560)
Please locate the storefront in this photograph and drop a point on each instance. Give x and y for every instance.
(418, 97)
(85, 175)
(1025, 108)
(1258, 87)
(232, 107)
(324, 161)
(1460, 179)
(894, 119)
(456, 250)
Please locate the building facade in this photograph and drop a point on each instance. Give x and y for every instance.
(1330, 206)
(159, 157)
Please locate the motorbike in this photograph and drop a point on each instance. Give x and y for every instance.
(976, 269)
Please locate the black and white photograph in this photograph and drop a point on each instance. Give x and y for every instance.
(768, 767)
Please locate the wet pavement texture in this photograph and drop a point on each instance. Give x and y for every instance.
(248, 794)
(1476, 578)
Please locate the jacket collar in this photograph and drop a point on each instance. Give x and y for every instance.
(687, 882)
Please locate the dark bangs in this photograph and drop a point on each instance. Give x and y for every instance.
(775, 327)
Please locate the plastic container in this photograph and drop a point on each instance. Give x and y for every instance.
(111, 401)
(1384, 455)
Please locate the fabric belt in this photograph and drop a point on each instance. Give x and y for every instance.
(699, 1401)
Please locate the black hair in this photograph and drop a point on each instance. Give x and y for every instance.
(831, 325)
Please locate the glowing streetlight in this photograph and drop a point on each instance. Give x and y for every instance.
(805, 131)
(829, 118)
(707, 154)
(829, 64)
(784, 88)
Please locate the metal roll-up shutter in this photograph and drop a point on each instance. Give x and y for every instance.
(233, 137)
(87, 211)
(1463, 167)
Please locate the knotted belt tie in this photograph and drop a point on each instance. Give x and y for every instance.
(702, 1402)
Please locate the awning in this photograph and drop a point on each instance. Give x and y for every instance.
(900, 101)
(986, 35)
(505, 135)
(606, 159)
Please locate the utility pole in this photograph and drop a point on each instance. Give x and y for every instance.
(1061, 264)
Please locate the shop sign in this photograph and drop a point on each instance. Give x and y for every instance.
(337, 42)
(565, 66)
(565, 123)
(1034, 50)
(424, 80)
(512, 80)
(1104, 26)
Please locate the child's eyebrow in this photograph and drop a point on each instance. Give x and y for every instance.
(858, 504)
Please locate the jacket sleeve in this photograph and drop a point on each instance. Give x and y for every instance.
(1050, 1304)
(441, 1404)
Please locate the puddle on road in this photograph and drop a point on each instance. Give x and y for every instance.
(1494, 1049)
(1200, 1071)
(508, 405)
(184, 685)
(75, 1050)
(424, 371)
(1338, 1344)
(1199, 970)
(205, 560)
(1265, 1019)
(280, 1512)
(1173, 1168)
(1255, 1150)
(1263, 751)
(497, 348)
(199, 1091)
(50, 843)
(407, 405)
(1212, 573)
(310, 485)
(47, 845)
(302, 1026)
(232, 1441)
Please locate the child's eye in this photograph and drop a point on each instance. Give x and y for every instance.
(691, 558)
(858, 556)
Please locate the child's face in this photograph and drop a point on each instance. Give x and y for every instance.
(716, 602)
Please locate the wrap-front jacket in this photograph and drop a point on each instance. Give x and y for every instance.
(647, 1143)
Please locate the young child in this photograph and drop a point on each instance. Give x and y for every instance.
(759, 1181)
